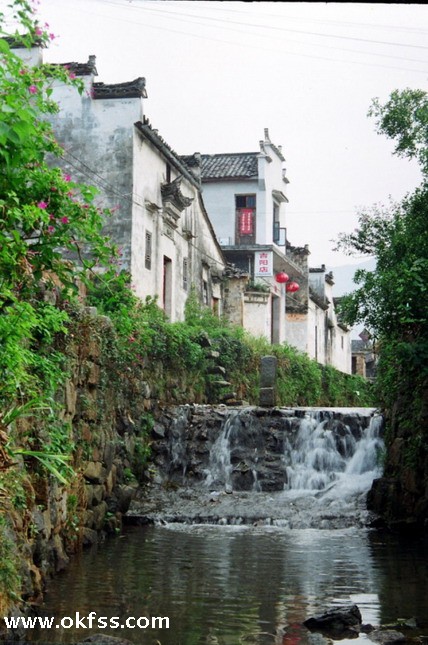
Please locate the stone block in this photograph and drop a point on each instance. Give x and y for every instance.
(99, 513)
(94, 472)
(93, 373)
(267, 397)
(111, 480)
(268, 369)
(98, 494)
(70, 398)
(89, 536)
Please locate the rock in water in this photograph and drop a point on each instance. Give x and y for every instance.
(387, 636)
(336, 622)
(103, 639)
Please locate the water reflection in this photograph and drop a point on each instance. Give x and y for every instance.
(230, 585)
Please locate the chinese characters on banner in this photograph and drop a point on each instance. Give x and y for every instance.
(263, 263)
(246, 221)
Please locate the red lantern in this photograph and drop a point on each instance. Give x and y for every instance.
(282, 277)
(292, 287)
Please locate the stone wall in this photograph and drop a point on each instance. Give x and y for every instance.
(401, 495)
(107, 413)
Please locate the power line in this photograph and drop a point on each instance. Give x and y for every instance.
(252, 46)
(211, 6)
(298, 31)
(354, 51)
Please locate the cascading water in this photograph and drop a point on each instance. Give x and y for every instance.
(220, 466)
(321, 458)
(296, 468)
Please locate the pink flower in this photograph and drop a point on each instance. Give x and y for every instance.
(42, 205)
(22, 72)
(51, 229)
(64, 220)
(72, 75)
(67, 178)
(32, 89)
(52, 36)
(131, 339)
(38, 31)
(52, 217)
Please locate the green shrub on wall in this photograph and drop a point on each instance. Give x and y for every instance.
(176, 356)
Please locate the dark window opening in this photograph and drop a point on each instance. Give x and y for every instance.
(148, 251)
(185, 274)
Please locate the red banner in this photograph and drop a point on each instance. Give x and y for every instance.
(246, 221)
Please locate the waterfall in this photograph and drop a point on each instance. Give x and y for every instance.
(299, 450)
(284, 467)
(324, 456)
(220, 466)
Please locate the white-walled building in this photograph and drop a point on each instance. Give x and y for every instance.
(245, 197)
(159, 220)
(319, 333)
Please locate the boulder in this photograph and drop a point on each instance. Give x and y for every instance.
(386, 636)
(103, 639)
(339, 622)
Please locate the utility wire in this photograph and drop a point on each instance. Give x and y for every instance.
(252, 46)
(212, 6)
(354, 51)
(297, 31)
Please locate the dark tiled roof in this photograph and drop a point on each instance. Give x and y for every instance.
(227, 166)
(132, 89)
(361, 346)
(81, 69)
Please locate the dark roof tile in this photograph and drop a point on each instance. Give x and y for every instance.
(233, 165)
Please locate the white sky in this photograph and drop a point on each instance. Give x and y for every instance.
(218, 73)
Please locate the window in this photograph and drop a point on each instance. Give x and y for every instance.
(168, 173)
(245, 209)
(185, 274)
(205, 292)
(276, 230)
(148, 251)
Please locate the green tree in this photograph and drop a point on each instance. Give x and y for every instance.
(392, 301)
(50, 238)
(46, 219)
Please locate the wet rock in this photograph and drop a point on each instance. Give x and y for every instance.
(338, 622)
(94, 472)
(103, 639)
(386, 636)
(89, 537)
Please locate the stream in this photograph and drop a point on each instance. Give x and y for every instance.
(229, 562)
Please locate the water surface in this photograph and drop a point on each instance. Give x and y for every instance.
(232, 585)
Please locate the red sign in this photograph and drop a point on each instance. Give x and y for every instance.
(246, 221)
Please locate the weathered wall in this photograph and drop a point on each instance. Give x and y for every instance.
(97, 138)
(47, 521)
(400, 496)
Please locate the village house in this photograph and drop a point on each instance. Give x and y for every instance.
(284, 300)
(245, 196)
(214, 222)
(159, 220)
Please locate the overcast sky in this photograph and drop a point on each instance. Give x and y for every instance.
(218, 73)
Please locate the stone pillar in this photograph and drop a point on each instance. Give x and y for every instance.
(268, 381)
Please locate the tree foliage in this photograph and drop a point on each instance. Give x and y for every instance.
(392, 301)
(50, 238)
(46, 218)
(404, 118)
